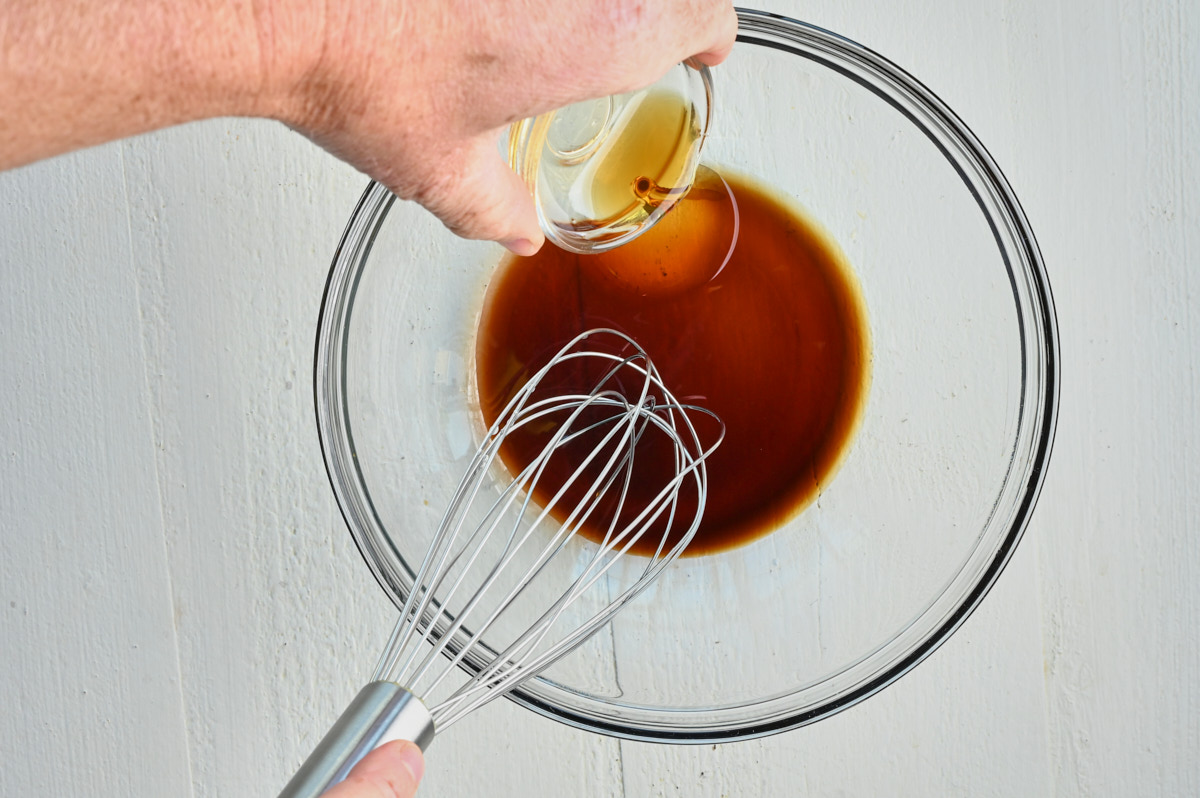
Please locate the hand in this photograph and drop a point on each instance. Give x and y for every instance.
(413, 92)
(417, 94)
(390, 771)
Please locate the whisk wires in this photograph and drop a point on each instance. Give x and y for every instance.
(497, 552)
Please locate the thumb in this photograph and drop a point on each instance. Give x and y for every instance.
(487, 200)
(390, 771)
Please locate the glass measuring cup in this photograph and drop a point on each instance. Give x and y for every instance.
(603, 171)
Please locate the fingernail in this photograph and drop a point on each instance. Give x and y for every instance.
(411, 758)
(520, 246)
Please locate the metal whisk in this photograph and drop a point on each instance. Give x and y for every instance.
(499, 558)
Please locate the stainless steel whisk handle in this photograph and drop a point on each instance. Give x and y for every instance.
(380, 713)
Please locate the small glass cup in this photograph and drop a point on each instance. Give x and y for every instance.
(604, 171)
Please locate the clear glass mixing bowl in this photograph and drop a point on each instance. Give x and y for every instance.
(929, 502)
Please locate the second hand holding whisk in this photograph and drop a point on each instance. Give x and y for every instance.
(494, 557)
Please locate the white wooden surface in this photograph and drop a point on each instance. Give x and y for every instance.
(181, 609)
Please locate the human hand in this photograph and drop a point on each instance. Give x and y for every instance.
(413, 92)
(390, 771)
(417, 93)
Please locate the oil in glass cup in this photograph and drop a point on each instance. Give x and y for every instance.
(604, 171)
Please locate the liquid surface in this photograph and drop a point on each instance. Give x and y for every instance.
(771, 336)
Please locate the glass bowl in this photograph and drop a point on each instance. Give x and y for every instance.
(930, 500)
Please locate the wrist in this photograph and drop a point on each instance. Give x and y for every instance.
(303, 46)
(332, 62)
(289, 47)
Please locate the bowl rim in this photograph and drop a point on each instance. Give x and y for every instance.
(1039, 344)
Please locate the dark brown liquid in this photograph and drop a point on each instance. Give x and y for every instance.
(776, 343)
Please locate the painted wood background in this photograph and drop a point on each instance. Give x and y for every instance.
(182, 610)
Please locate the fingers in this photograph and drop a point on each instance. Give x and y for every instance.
(637, 40)
(722, 39)
(390, 771)
(485, 199)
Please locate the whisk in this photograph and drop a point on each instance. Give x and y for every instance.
(463, 636)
